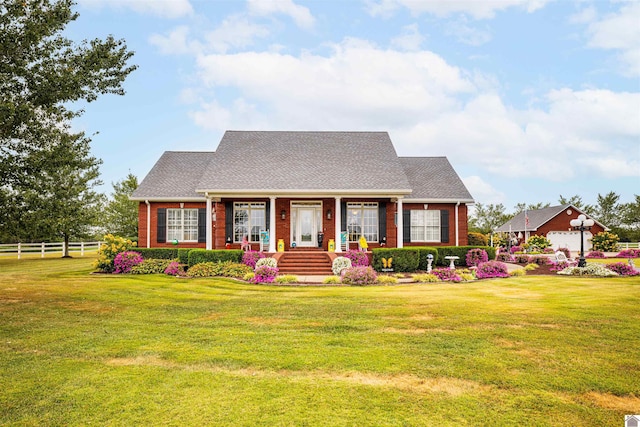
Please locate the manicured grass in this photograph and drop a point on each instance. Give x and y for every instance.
(80, 349)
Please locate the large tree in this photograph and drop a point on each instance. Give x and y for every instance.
(121, 214)
(42, 74)
(486, 218)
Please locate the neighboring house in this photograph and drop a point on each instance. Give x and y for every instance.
(553, 223)
(296, 185)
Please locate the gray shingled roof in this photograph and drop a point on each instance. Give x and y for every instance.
(539, 217)
(256, 160)
(433, 178)
(175, 175)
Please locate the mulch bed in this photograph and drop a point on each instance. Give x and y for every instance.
(543, 270)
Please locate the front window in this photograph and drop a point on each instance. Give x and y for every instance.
(362, 220)
(425, 226)
(182, 225)
(248, 220)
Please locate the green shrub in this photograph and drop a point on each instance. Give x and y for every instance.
(158, 253)
(461, 252)
(248, 277)
(403, 259)
(107, 252)
(467, 277)
(519, 272)
(235, 270)
(530, 267)
(537, 241)
(331, 280)
(197, 256)
(425, 278)
(477, 239)
(605, 242)
(151, 266)
(205, 269)
(387, 280)
(183, 256)
(287, 278)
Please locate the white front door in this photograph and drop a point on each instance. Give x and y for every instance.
(306, 229)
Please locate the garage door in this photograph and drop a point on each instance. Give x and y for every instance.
(569, 239)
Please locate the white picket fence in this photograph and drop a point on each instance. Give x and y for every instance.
(42, 249)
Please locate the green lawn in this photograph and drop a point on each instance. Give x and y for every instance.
(81, 349)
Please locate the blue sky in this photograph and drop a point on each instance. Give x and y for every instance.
(529, 99)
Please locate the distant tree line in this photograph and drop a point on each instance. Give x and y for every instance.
(622, 218)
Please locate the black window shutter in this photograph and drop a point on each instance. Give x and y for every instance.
(228, 221)
(161, 235)
(382, 221)
(343, 216)
(202, 225)
(267, 213)
(444, 226)
(406, 226)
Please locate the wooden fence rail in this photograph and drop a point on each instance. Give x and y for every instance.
(47, 248)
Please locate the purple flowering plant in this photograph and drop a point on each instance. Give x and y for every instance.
(174, 269)
(265, 274)
(447, 275)
(359, 276)
(623, 269)
(492, 269)
(358, 258)
(476, 256)
(124, 261)
(595, 254)
(629, 253)
(251, 257)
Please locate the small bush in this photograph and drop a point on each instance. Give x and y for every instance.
(531, 267)
(197, 256)
(477, 239)
(628, 253)
(112, 246)
(515, 249)
(541, 242)
(359, 276)
(595, 255)
(519, 272)
(358, 258)
(205, 269)
(540, 260)
(447, 275)
(248, 277)
(269, 262)
(387, 280)
(331, 280)
(505, 257)
(425, 278)
(174, 269)
(605, 242)
(287, 278)
(467, 277)
(476, 256)
(403, 259)
(623, 269)
(492, 269)
(339, 264)
(251, 257)
(235, 270)
(522, 258)
(124, 261)
(265, 274)
(151, 266)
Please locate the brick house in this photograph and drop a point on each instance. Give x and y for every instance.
(303, 189)
(554, 224)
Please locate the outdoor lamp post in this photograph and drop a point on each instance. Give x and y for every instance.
(581, 223)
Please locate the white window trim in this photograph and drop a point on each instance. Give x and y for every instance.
(182, 224)
(251, 206)
(372, 206)
(422, 212)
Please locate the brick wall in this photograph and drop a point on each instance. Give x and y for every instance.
(142, 224)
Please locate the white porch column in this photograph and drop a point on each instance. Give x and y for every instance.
(400, 230)
(272, 224)
(338, 218)
(209, 225)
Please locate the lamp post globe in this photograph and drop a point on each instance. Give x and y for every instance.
(582, 223)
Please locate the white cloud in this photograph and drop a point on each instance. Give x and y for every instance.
(300, 14)
(409, 40)
(162, 8)
(483, 191)
(175, 42)
(482, 9)
(467, 34)
(619, 31)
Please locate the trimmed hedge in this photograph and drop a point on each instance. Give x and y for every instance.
(197, 256)
(404, 259)
(158, 253)
(461, 252)
(183, 255)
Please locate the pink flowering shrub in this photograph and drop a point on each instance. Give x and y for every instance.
(595, 254)
(505, 257)
(629, 253)
(124, 261)
(492, 269)
(174, 269)
(476, 256)
(522, 258)
(447, 275)
(559, 265)
(623, 269)
(359, 276)
(265, 274)
(358, 258)
(251, 257)
(540, 260)
(515, 249)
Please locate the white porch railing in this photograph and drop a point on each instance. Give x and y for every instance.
(42, 249)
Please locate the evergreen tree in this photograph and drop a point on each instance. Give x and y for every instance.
(121, 214)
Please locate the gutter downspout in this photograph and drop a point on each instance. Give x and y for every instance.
(457, 230)
(148, 223)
